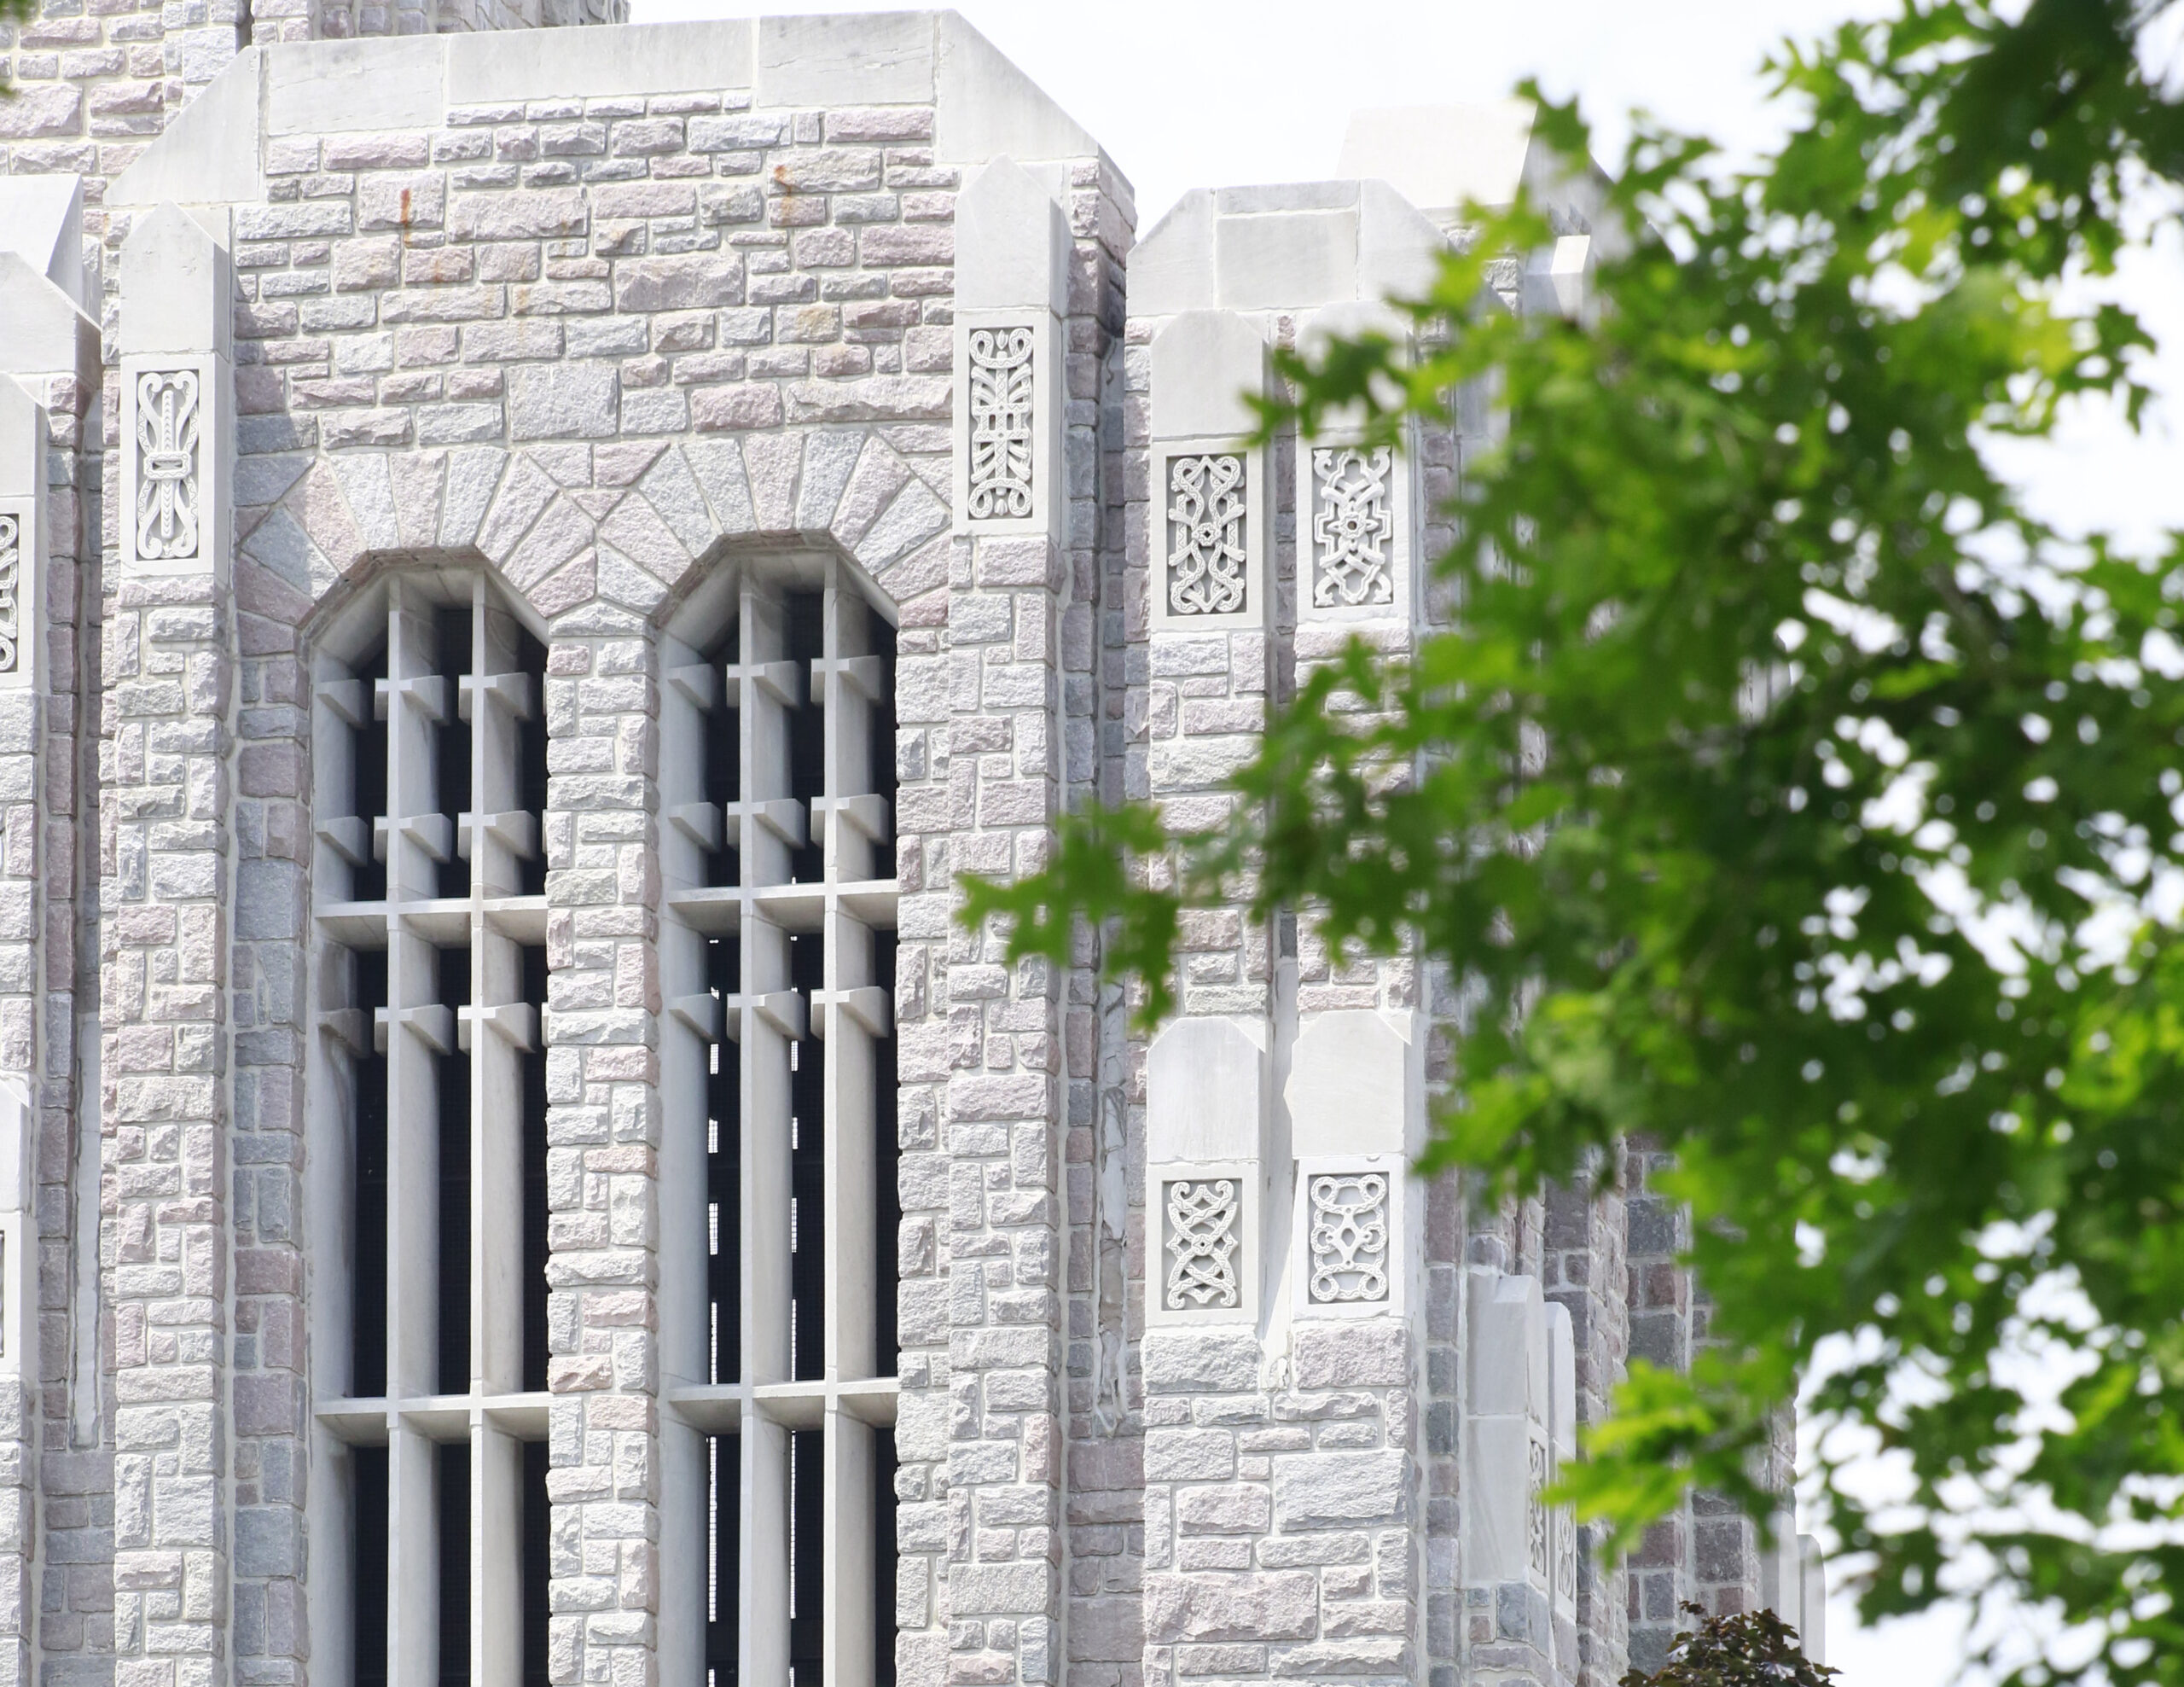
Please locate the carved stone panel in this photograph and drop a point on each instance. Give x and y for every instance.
(174, 458)
(1203, 1226)
(1348, 1242)
(1346, 1230)
(1008, 471)
(1204, 1233)
(1004, 424)
(1208, 526)
(1538, 1550)
(170, 480)
(1353, 529)
(14, 542)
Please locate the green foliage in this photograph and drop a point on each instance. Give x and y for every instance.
(1790, 795)
(15, 12)
(1754, 1649)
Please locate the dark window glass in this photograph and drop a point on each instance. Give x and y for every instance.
(455, 1563)
(455, 1188)
(368, 1564)
(537, 1562)
(368, 1290)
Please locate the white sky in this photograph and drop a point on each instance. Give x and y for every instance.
(1192, 93)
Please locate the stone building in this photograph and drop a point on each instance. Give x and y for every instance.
(529, 558)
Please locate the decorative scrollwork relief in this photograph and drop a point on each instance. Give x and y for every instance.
(1353, 526)
(1205, 535)
(1205, 1231)
(11, 591)
(1001, 423)
(1535, 1515)
(167, 477)
(1348, 1236)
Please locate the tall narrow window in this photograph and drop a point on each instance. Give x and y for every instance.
(777, 1075)
(427, 1092)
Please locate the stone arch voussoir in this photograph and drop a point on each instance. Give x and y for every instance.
(625, 524)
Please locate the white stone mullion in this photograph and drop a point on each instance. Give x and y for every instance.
(412, 1253)
(499, 702)
(763, 1559)
(696, 1020)
(767, 1007)
(499, 1031)
(416, 1028)
(851, 1153)
(604, 1132)
(497, 1503)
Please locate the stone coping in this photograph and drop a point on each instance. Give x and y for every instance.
(212, 153)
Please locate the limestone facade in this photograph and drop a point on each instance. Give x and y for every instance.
(530, 558)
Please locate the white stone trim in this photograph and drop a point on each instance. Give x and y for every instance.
(19, 1238)
(1311, 1297)
(1247, 1256)
(204, 493)
(1044, 513)
(1509, 1536)
(24, 537)
(1205, 1090)
(23, 540)
(1356, 1084)
(1562, 1444)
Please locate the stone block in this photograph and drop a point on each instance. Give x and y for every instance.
(869, 59)
(1356, 1355)
(325, 87)
(571, 401)
(1257, 1607)
(1189, 1455)
(1330, 1490)
(1012, 242)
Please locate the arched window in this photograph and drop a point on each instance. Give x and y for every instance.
(427, 1173)
(779, 1208)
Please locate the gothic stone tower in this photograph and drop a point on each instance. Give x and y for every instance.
(530, 558)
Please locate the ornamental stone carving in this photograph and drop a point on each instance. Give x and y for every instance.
(1535, 1513)
(11, 591)
(1205, 1231)
(1002, 421)
(168, 472)
(1353, 526)
(1347, 1234)
(1207, 571)
(1565, 1557)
